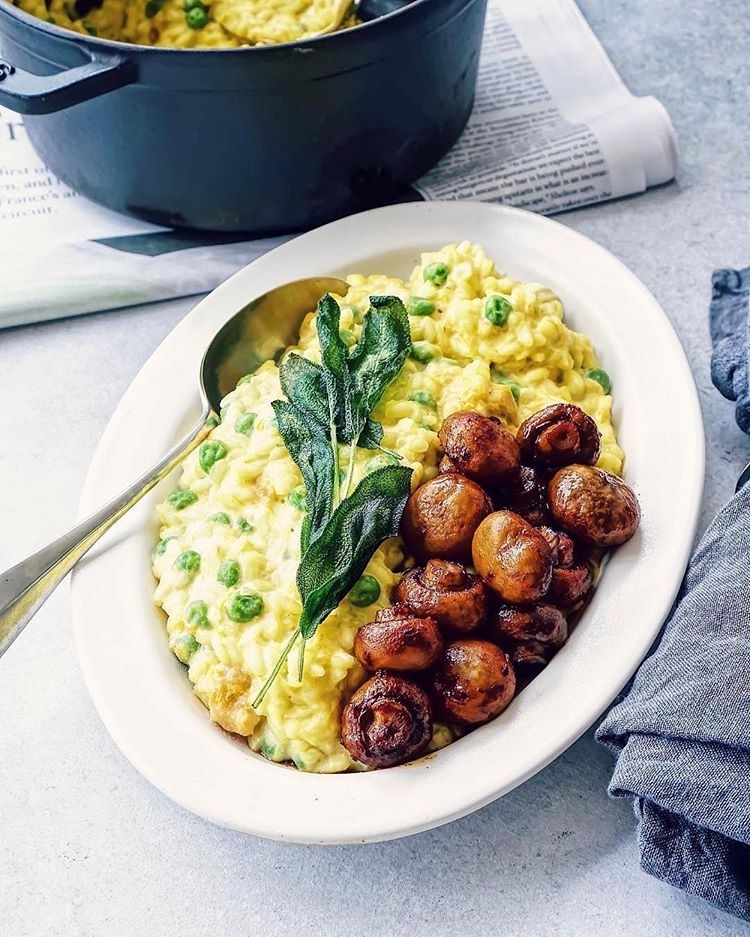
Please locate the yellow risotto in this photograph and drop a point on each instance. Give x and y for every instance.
(192, 24)
(229, 552)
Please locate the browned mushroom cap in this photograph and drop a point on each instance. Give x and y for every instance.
(527, 657)
(446, 465)
(527, 496)
(563, 548)
(480, 447)
(512, 557)
(542, 623)
(569, 585)
(457, 600)
(398, 640)
(441, 516)
(593, 505)
(387, 721)
(559, 435)
(474, 682)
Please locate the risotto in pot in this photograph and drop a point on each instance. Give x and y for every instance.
(193, 24)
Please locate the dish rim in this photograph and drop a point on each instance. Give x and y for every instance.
(436, 801)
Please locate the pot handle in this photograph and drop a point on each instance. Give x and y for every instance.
(26, 93)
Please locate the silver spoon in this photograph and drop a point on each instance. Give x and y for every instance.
(257, 333)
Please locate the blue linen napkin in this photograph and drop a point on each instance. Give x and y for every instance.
(682, 731)
(729, 337)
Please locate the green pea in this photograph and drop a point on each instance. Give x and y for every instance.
(51, 19)
(184, 647)
(91, 30)
(382, 460)
(267, 749)
(246, 423)
(298, 498)
(181, 498)
(436, 273)
(221, 517)
(161, 547)
(244, 526)
(210, 453)
(245, 607)
(152, 8)
(197, 614)
(421, 352)
(348, 337)
(365, 591)
(357, 315)
(515, 389)
(197, 17)
(602, 378)
(425, 398)
(497, 309)
(500, 377)
(189, 562)
(228, 573)
(212, 422)
(190, 4)
(417, 306)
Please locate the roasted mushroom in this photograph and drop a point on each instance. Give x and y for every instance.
(563, 548)
(474, 682)
(530, 635)
(443, 590)
(480, 447)
(571, 581)
(387, 721)
(398, 639)
(512, 557)
(528, 496)
(569, 585)
(542, 623)
(593, 505)
(446, 465)
(441, 516)
(559, 435)
(528, 657)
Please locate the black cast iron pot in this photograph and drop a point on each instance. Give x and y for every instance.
(261, 139)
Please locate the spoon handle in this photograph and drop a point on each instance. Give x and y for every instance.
(26, 586)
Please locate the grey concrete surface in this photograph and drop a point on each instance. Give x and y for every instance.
(88, 848)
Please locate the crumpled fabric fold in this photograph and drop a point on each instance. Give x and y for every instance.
(681, 732)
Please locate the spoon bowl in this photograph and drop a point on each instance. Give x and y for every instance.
(259, 332)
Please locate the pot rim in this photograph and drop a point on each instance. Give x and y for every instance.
(301, 45)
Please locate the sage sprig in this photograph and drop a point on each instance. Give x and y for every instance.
(328, 405)
(338, 557)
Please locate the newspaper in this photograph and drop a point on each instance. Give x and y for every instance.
(553, 128)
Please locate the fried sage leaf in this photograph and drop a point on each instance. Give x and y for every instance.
(311, 450)
(338, 557)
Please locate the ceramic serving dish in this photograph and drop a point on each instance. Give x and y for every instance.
(141, 690)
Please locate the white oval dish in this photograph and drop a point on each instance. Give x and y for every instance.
(141, 691)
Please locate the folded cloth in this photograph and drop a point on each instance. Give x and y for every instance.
(729, 336)
(682, 731)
